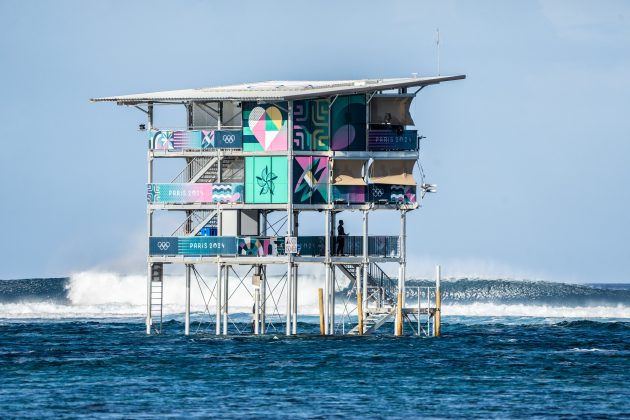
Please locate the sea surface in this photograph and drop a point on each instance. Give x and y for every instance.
(61, 356)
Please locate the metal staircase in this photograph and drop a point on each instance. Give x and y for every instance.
(374, 321)
(155, 300)
(195, 222)
(203, 169)
(382, 294)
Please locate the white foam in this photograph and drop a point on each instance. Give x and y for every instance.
(538, 311)
(99, 294)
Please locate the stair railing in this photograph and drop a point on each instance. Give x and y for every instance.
(386, 285)
(189, 224)
(190, 170)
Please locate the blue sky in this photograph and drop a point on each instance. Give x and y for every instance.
(530, 153)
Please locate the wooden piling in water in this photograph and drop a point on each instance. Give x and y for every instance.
(320, 298)
(360, 310)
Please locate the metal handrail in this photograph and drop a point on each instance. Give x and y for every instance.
(190, 170)
(378, 278)
(190, 222)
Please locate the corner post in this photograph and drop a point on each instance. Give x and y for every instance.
(263, 299)
(149, 321)
(365, 270)
(219, 295)
(290, 221)
(327, 245)
(226, 297)
(187, 315)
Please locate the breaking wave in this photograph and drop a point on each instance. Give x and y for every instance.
(102, 294)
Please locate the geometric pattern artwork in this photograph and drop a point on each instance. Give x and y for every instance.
(310, 125)
(310, 178)
(348, 123)
(259, 247)
(352, 194)
(195, 193)
(401, 194)
(264, 127)
(266, 179)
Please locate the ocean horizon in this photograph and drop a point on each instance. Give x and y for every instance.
(75, 349)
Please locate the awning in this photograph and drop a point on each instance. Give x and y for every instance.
(393, 172)
(348, 172)
(392, 110)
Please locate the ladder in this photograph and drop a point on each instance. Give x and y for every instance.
(157, 291)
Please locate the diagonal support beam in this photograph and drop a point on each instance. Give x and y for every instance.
(205, 169)
(203, 223)
(346, 272)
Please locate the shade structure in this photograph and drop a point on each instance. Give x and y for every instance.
(348, 172)
(391, 110)
(392, 172)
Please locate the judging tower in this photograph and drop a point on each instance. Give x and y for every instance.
(254, 158)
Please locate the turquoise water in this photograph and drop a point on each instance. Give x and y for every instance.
(480, 367)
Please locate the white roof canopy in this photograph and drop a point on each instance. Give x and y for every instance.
(276, 90)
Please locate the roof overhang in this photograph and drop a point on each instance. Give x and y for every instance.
(274, 91)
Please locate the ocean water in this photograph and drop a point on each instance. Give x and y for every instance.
(66, 354)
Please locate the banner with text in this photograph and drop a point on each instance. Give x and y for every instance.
(195, 193)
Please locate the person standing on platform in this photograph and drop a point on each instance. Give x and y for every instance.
(341, 238)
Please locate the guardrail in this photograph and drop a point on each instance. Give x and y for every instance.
(262, 246)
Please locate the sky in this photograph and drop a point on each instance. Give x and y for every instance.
(530, 153)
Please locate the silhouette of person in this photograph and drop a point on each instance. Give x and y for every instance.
(341, 238)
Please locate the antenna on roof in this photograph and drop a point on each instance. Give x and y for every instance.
(438, 50)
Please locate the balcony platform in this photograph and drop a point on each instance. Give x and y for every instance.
(253, 260)
(281, 207)
(381, 155)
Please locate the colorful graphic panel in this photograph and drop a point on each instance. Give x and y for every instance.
(353, 194)
(192, 245)
(266, 179)
(310, 125)
(168, 140)
(348, 121)
(401, 194)
(264, 127)
(195, 193)
(310, 175)
(260, 247)
(390, 140)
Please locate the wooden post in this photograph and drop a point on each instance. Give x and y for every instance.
(320, 297)
(360, 309)
(438, 301)
(399, 318)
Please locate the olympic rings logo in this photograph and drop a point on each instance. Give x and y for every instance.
(163, 245)
(228, 138)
